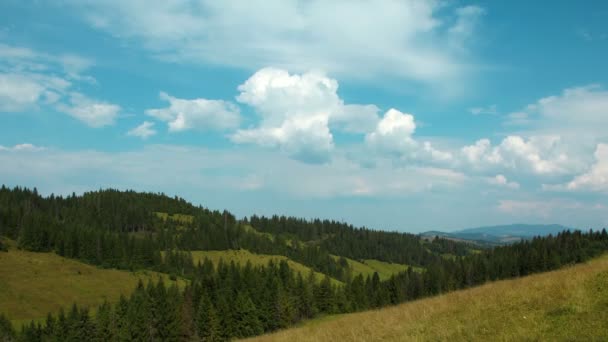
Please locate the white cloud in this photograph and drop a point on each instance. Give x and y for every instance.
(26, 147)
(537, 154)
(393, 137)
(92, 112)
(18, 92)
(393, 133)
(576, 111)
(297, 111)
(200, 114)
(355, 118)
(424, 41)
(143, 131)
(31, 80)
(596, 178)
(501, 180)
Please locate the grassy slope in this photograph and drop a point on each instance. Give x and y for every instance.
(568, 304)
(242, 256)
(33, 284)
(369, 266)
(181, 218)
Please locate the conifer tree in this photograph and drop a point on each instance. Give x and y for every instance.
(246, 321)
(207, 323)
(7, 333)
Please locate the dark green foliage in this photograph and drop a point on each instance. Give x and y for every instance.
(207, 323)
(7, 333)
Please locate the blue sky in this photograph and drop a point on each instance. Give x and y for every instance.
(401, 115)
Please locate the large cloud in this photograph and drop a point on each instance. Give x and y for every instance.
(424, 41)
(296, 112)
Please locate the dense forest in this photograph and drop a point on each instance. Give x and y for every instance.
(117, 229)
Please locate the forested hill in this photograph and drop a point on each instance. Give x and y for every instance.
(146, 231)
(126, 229)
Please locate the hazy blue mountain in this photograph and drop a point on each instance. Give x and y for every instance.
(499, 235)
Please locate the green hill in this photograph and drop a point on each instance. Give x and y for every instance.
(567, 305)
(33, 284)
(367, 267)
(242, 256)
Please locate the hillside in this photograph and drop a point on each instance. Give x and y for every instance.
(34, 284)
(568, 304)
(243, 256)
(362, 269)
(368, 267)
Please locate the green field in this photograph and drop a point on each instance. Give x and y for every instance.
(565, 305)
(242, 256)
(180, 218)
(367, 267)
(252, 230)
(33, 284)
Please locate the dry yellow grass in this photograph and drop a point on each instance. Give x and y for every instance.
(565, 305)
(33, 284)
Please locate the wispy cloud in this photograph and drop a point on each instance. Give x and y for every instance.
(422, 41)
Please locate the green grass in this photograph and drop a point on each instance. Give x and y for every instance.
(33, 284)
(565, 305)
(369, 266)
(242, 256)
(252, 230)
(180, 218)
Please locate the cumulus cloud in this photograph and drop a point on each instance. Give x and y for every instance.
(92, 112)
(423, 41)
(393, 136)
(537, 154)
(200, 114)
(394, 132)
(296, 112)
(501, 180)
(595, 179)
(143, 131)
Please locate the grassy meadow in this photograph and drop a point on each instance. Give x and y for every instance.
(570, 304)
(367, 267)
(242, 256)
(33, 284)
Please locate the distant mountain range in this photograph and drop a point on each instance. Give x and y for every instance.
(498, 235)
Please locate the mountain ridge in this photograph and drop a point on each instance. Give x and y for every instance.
(498, 234)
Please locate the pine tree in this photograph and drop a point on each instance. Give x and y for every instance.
(207, 323)
(246, 321)
(104, 322)
(7, 333)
